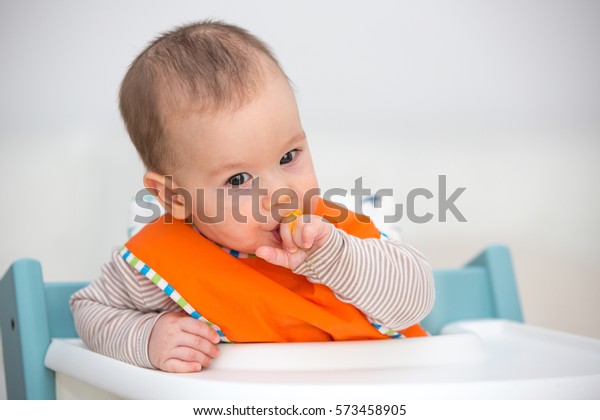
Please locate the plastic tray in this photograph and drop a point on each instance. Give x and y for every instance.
(486, 359)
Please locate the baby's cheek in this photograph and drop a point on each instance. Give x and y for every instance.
(314, 201)
(245, 212)
(209, 211)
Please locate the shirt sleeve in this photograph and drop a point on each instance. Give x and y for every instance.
(115, 314)
(390, 282)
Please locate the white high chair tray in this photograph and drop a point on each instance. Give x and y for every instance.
(486, 359)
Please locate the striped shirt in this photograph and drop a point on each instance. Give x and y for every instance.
(390, 282)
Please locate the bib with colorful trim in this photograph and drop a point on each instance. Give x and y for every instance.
(249, 299)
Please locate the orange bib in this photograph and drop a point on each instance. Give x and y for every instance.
(249, 299)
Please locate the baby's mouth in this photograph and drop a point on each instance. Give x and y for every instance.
(288, 218)
(276, 235)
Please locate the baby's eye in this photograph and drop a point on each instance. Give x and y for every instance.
(288, 157)
(239, 179)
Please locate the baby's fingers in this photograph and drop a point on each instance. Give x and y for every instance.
(273, 255)
(287, 237)
(191, 355)
(199, 330)
(180, 366)
(175, 365)
(306, 234)
(198, 343)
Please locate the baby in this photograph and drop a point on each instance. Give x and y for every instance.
(247, 251)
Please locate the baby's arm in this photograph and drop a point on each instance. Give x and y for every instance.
(125, 316)
(391, 283)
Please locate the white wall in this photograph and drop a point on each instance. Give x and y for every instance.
(503, 97)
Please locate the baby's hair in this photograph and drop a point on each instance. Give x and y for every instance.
(202, 67)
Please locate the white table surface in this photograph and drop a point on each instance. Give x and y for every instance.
(484, 359)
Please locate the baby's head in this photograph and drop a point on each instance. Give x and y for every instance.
(214, 119)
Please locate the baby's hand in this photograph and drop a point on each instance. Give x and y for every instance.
(182, 344)
(299, 235)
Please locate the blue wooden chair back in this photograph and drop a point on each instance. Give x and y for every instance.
(31, 313)
(484, 288)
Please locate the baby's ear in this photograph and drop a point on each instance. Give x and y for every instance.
(176, 200)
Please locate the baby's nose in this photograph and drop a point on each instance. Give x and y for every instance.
(285, 198)
(282, 198)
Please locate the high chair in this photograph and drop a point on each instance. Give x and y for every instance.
(40, 346)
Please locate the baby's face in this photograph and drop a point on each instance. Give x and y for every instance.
(246, 169)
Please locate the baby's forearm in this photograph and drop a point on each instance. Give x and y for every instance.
(114, 315)
(391, 283)
(122, 334)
